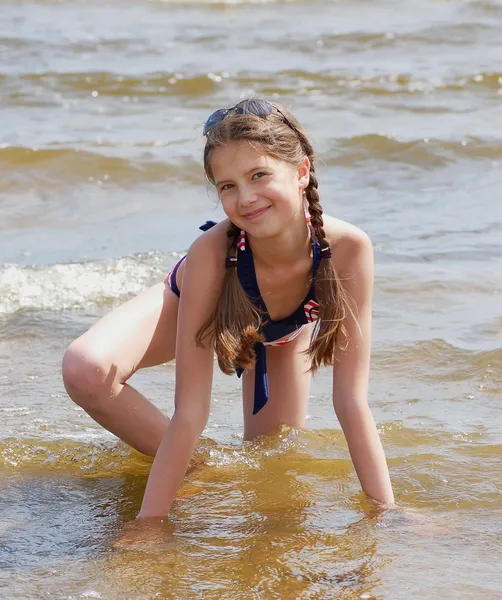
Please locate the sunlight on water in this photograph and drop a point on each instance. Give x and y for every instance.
(281, 515)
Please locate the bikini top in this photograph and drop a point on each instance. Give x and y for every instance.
(307, 312)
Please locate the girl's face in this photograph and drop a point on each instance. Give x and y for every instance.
(259, 193)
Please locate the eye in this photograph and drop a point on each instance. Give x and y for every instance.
(226, 186)
(259, 175)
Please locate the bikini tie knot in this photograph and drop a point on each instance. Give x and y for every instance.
(326, 252)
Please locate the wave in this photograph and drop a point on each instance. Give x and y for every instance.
(477, 283)
(386, 84)
(483, 6)
(214, 4)
(492, 7)
(115, 84)
(425, 152)
(79, 285)
(65, 165)
(429, 467)
(444, 34)
(451, 363)
(91, 458)
(56, 166)
(108, 84)
(105, 458)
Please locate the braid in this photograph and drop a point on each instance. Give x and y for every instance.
(315, 208)
(312, 195)
(329, 332)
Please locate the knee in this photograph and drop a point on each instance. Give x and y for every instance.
(87, 376)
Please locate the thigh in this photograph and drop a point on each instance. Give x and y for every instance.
(289, 387)
(140, 333)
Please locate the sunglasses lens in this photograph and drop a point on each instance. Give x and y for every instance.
(254, 106)
(216, 117)
(251, 106)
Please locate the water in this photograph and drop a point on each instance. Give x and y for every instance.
(101, 188)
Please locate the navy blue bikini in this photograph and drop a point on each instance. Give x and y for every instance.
(273, 331)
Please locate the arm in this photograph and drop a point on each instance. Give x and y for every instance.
(351, 372)
(194, 371)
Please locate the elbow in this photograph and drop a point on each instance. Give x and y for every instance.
(193, 421)
(350, 411)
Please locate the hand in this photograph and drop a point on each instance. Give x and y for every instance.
(145, 534)
(396, 517)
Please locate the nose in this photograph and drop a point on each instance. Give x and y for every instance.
(247, 197)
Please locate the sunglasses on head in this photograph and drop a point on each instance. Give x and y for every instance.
(251, 106)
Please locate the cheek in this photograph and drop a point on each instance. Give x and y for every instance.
(284, 193)
(275, 190)
(228, 202)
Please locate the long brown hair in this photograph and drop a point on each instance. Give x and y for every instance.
(235, 325)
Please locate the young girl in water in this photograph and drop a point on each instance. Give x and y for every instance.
(275, 290)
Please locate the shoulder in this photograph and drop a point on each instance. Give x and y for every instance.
(205, 260)
(213, 240)
(351, 247)
(208, 251)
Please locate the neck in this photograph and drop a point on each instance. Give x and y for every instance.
(284, 249)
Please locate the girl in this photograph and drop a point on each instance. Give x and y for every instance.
(276, 290)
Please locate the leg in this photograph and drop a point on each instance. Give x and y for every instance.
(289, 387)
(141, 333)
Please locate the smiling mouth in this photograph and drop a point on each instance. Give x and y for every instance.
(256, 213)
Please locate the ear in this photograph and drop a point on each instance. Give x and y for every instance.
(304, 173)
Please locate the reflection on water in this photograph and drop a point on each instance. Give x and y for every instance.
(279, 516)
(259, 518)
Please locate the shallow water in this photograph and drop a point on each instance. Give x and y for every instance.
(101, 187)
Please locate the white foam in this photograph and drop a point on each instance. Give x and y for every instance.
(78, 285)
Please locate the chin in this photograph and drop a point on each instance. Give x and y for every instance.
(263, 231)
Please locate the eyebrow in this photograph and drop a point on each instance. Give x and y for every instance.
(257, 168)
